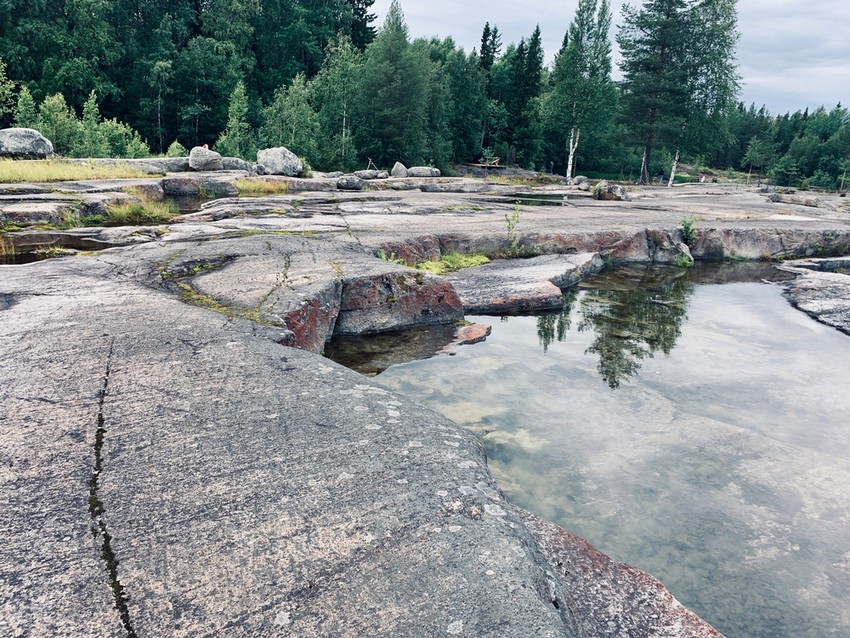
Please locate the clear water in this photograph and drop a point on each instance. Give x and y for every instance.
(699, 431)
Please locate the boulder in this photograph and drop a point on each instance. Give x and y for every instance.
(235, 164)
(334, 174)
(24, 143)
(580, 179)
(280, 161)
(399, 170)
(423, 171)
(367, 174)
(203, 159)
(382, 175)
(610, 192)
(350, 183)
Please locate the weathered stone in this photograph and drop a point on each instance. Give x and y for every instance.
(242, 485)
(236, 164)
(506, 285)
(367, 174)
(423, 171)
(333, 174)
(280, 161)
(583, 186)
(382, 175)
(399, 170)
(200, 186)
(25, 143)
(399, 299)
(825, 296)
(610, 192)
(611, 599)
(203, 159)
(350, 183)
(578, 180)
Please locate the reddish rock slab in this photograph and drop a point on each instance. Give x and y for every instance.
(516, 285)
(609, 599)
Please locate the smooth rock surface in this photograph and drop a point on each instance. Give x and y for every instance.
(246, 489)
(510, 285)
(611, 599)
(398, 170)
(824, 296)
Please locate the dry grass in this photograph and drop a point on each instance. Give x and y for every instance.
(249, 186)
(17, 171)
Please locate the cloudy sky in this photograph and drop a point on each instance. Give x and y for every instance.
(792, 54)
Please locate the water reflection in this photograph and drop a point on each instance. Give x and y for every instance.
(723, 467)
(632, 316)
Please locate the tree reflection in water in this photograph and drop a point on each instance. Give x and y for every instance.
(633, 314)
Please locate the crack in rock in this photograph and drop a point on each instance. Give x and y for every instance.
(97, 511)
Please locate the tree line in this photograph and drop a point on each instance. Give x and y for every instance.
(130, 78)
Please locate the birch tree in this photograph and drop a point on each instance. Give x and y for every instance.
(582, 92)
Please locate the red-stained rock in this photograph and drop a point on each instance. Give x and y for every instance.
(415, 250)
(473, 333)
(395, 300)
(610, 599)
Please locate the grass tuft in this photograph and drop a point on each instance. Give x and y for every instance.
(140, 212)
(450, 262)
(252, 187)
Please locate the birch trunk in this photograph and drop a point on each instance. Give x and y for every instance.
(673, 169)
(575, 134)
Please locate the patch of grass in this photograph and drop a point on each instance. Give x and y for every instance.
(688, 232)
(382, 254)
(254, 187)
(683, 261)
(17, 171)
(450, 262)
(138, 213)
(466, 207)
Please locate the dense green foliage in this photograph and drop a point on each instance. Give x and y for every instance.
(121, 78)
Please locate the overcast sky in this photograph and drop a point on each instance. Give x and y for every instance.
(792, 54)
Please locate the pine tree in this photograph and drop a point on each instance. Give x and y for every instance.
(26, 115)
(7, 96)
(362, 31)
(393, 96)
(236, 140)
(92, 143)
(678, 68)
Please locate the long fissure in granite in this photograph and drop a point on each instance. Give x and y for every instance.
(96, 508)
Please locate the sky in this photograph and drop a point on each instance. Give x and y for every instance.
(792, 54)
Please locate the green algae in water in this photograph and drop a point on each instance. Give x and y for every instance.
(697, 431)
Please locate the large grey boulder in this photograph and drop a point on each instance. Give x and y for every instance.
(399, 170)
(610, 192)
(203, 159)
(423, 171)
(350, 183)
(236, 164)
(24, 143)
(280, 161)
(367, 174)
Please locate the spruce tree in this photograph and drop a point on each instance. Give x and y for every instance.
(236, 139)
(7, 96)
(26, 115)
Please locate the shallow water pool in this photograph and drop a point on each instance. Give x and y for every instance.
(696, 430)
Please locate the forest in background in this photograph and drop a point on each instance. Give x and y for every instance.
(135, 77)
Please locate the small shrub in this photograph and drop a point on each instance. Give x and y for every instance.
(176, 149)
(683, 261)
(511, 222)
(688, 232)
